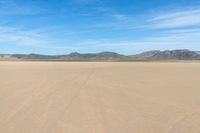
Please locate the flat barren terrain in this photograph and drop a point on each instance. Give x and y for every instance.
(84, 97)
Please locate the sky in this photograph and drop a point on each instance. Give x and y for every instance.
(88, 26)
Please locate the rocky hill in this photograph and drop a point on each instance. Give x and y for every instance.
(149, 55)
(177, 55)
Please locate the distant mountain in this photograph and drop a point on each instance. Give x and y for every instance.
(33, 56)
(198, 52)
(182, 54)
(94, 56)
(146, 54)
(149, 55)
(71, 56)
(5, 56)
(177, 55)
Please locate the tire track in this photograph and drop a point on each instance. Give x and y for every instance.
(181, 119)
(76, 94)
(30, 101)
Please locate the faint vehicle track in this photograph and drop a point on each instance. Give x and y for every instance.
(28, 102)
(181, 119)
(76, 94)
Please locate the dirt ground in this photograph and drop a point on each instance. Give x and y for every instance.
(112, 97)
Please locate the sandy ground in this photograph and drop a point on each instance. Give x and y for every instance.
(39, 97)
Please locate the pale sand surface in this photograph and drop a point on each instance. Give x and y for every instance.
(50, 97)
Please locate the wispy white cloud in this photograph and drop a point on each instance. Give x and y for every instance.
(113, 20)
(11, 35)
(36, 39)
(176, 19)
(120, 17)
(184, 30)
(180, 31)
(176, 39)
(173, 39)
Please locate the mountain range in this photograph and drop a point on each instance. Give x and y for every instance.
(182, 54)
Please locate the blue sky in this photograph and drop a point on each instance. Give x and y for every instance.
(86, 26)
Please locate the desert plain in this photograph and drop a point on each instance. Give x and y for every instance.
(99, 97)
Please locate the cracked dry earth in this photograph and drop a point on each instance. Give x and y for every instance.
(52, 97)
